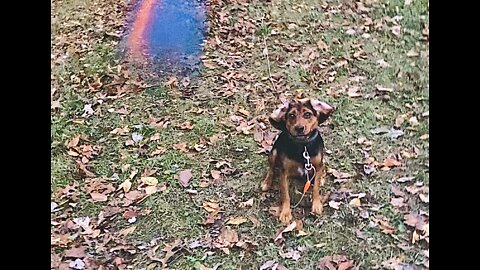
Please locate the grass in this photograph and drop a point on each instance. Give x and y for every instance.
(174, 214)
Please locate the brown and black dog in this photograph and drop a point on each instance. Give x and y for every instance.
(298, 122)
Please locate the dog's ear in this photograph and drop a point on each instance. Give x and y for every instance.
(277, 118)
(323, 110)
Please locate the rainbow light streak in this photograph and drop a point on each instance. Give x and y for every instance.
(167, 30)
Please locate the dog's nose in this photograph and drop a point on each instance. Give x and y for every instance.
(300, 129)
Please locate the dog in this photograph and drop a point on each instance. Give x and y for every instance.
(299, 140)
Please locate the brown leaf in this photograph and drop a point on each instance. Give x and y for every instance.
(228, 236)
(335, 262)
(289, 228)
(134, 195)
(184, 177)
(414, 220)
(215, 174)
(353, 92)
(384, 225)
(237, 220)
(291, 254)
(211, 206)
(397, 191)
(248, 203)
(155, 137)
(98, 197)
(384, 89)
(186, 125)
(120, 131)
(391, 162)
(73, 142)
(75, 252)
(72, 153)
(424, 198)
(181, 146)
(158, 151)
(355, 202)
(126, 185)
(397, 202)
(127, 230)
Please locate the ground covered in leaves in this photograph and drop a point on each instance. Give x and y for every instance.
(165, 174)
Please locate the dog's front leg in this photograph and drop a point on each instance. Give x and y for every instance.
(267, 182)
(317, 205)
(285, 211)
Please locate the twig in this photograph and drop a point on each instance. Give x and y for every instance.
(265, 50)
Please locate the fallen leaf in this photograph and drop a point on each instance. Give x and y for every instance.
(353, 92)
(151, 190)
(291, 254)
(77, 264)
(73, 142)
(75, 252)
(126, 185)
(424, 137)
(127, 230)
(334, 204)
(120, 131)
(180, 146)
(289, 228)
(211, 206)
(186, 125)
(184, 177)
(215, 174)
(383, 89)
(136, 137)
(412, 53)
(397, 191)
(149, 181)
(384, 224)
(53, 206)
(237, 220)
(397, 202)
(155, 137)
(379, 130)
(405, 179)
(391, 162)
(98, 197)
(133, 195)
(248, 203)
(368, 169)
(355, 202)
(267, 265)
(396, 30)
(424, 198)
(158, 151)
(335, 262)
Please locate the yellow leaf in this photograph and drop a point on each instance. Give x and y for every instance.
(126, 185)
(237, 220)
(150, 181)
(128, 230)
(211, 206)
(150, 190)
(355, 202)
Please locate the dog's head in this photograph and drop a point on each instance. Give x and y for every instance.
(300, 117)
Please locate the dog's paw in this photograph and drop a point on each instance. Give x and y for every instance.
(317, 207)
(285, 215)
(266, 185)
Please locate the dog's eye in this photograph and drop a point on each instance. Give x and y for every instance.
(291, 116)
(307, 114)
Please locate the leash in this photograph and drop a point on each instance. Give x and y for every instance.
(308, 167)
